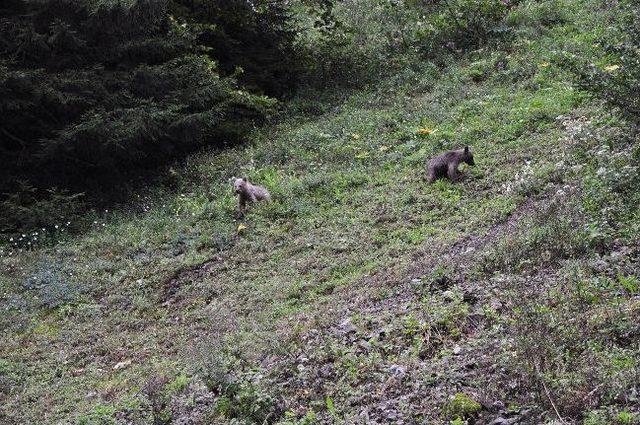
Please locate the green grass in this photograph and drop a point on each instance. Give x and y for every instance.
(350, 203)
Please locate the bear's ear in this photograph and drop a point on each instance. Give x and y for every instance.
(244, 179)
(466, 149)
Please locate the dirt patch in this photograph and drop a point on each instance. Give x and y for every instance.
(174, 282)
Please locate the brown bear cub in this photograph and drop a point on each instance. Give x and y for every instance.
(248, 193)
(446, 164)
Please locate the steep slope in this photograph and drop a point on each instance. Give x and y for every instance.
(361, 294)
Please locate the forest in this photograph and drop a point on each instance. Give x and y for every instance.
(138, 286)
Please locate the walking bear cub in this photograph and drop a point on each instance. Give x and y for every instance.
(446, 164)
(248, 193)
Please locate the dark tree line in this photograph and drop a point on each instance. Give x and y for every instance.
(95, 91)
(255, 36)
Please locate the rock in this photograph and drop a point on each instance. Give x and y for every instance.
(325, 371)
(391, 415)
(457, 350)
(365, 345)
(469, 298)
(347, 327)
(503, 421)
(398, 370)
(449, 295)
(442, 283)
(497, 405)
(496, 304)
(122, 364)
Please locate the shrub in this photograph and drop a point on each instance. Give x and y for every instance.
(249, 403)
(461, 406)
(240, 395)
(9, 377)
(547, 238)
(573, 346)
(101, 414)
(26, 209)
(531, 17)
(353, 42)
(611, 415)
(615, 77)
(255, 41)
(463, 25)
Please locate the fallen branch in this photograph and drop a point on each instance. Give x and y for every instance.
(546, 390)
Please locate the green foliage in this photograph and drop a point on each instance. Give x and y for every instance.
(463, 24)
(614, 75)
(331, 408)
(532, 17)
(9, 376)
(629, 283)
(611, 415)
(461, 407)
(26, 206)
(253, 41)
(178, 384)
(100, 415)
(247, 403)
(627, 418)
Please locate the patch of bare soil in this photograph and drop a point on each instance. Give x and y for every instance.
(174, 282)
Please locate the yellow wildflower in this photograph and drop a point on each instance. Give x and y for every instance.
(425, 131)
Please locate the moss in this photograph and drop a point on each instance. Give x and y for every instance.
(461, 406)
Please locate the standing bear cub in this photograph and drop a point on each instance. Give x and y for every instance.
(446, 164)
(248, 193)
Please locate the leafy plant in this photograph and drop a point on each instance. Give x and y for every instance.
(615, 76)
(463, 24)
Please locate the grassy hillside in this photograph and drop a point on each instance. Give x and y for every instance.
(361, 294)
